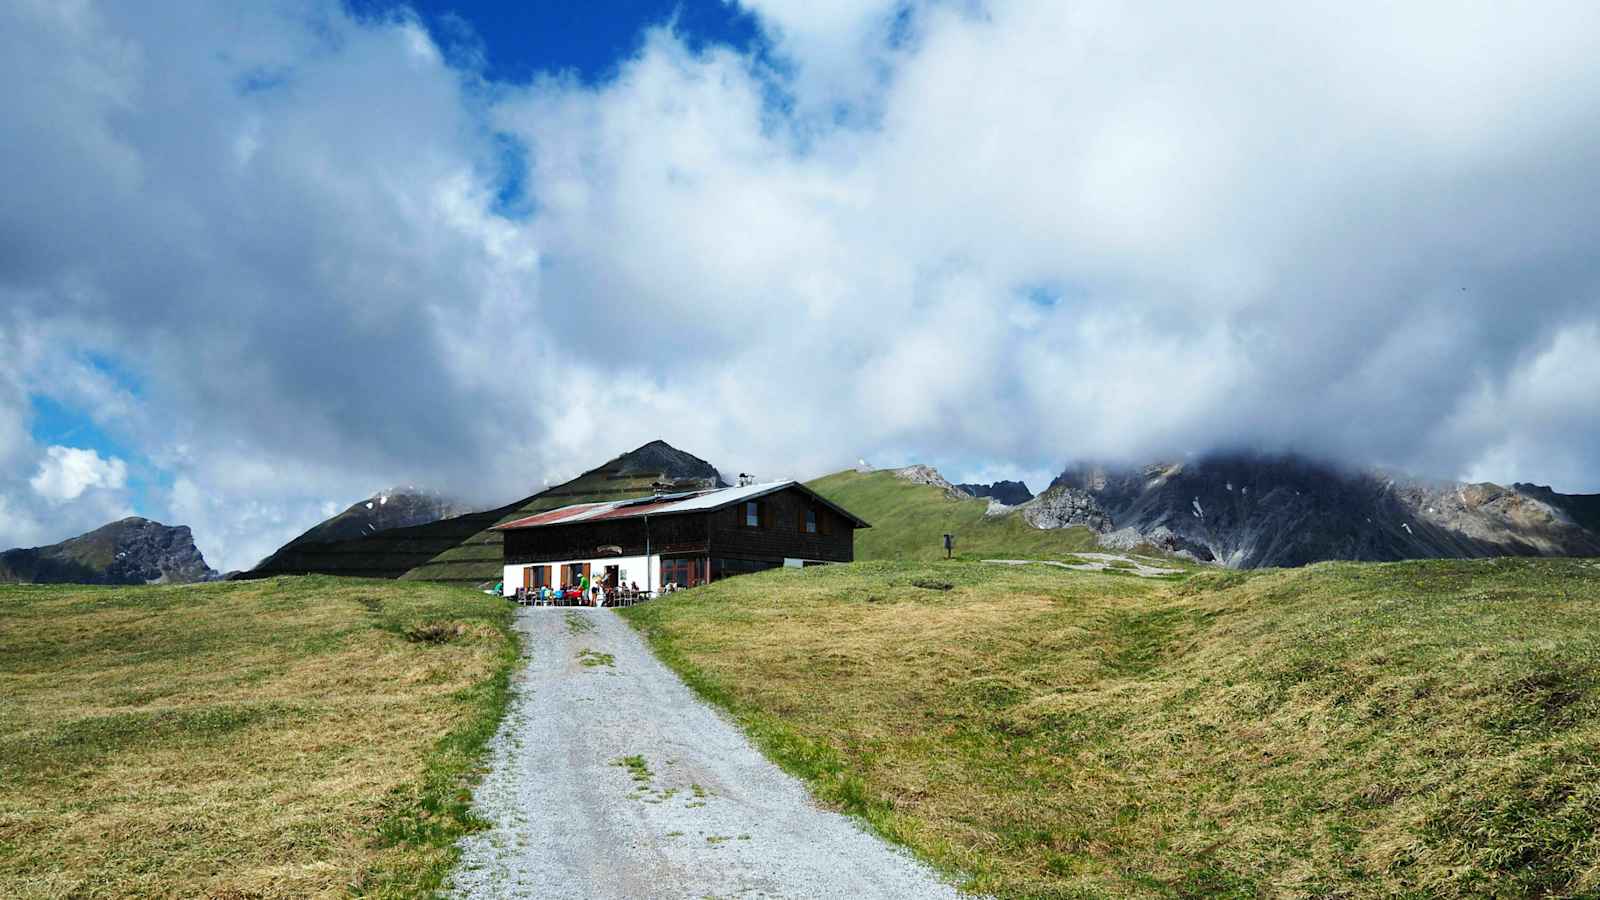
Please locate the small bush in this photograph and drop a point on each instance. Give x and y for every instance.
(435, 632)
(932, 584)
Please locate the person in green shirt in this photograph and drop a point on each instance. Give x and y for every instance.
(583, 588)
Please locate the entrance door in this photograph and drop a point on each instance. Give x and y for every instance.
(536, 576)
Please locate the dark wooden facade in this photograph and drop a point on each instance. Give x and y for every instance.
(790, 523)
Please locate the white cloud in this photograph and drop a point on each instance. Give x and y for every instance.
(66, 472)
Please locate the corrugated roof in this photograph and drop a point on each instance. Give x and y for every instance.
(696, 501)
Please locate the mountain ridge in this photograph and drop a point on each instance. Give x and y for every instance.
(400, 507)
(1256, 510)
(462, 548)
(129, 551)
(1009, 493)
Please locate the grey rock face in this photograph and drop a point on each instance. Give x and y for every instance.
(1062, 506)
(1248, 511)
(130, 551)
(1011, 493)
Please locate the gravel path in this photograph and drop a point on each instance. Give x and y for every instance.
(1094, 562)
(612, 780)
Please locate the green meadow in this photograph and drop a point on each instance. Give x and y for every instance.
(1423, 729)
(910, 520)
(289, 737)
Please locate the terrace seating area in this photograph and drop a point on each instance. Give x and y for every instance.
(624, 595)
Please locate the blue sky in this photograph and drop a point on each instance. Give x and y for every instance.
(260, 260)
(521, 40)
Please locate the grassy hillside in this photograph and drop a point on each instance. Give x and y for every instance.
(286, 737)
(1351, 730)
(459, 550)
(478, 556)
(909, 521)
(387, 554)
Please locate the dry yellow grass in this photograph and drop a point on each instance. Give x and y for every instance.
(1426, 729)
(280, 738)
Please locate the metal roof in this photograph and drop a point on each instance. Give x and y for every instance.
(667, 504)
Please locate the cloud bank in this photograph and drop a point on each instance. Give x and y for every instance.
(288, 256)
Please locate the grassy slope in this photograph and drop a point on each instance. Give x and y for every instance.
(387, 554)
(460, 550)
(1354, 730)
(909, 521)
(286, 737)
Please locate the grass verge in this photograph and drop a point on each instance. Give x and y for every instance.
(1412, 729)
(287, 737)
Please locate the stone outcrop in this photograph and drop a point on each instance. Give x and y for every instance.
(1062, 506)
(920, 474)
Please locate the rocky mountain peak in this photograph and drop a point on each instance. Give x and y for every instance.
(397, 507)
(668, 462)
(134, 550)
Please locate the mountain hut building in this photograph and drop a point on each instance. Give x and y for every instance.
(686, 538)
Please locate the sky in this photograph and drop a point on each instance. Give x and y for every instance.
(259, 261)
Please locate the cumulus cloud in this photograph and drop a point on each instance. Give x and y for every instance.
(996, 236)
(67, 472)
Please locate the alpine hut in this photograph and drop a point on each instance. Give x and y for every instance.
(683, 539)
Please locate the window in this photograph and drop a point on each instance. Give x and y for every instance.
(811, 521)
(683, 572)
(752, 514)
(727, 568)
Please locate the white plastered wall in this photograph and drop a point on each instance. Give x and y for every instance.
(633, 568)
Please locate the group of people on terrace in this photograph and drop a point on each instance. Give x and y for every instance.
(585, 593)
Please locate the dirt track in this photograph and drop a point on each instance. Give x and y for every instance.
(611, 780)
